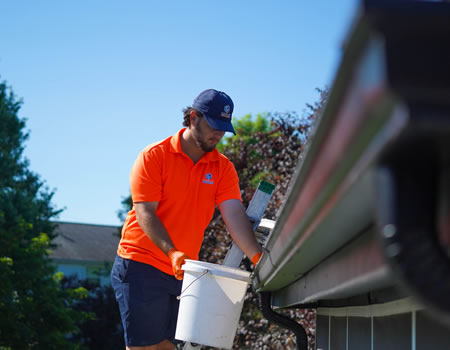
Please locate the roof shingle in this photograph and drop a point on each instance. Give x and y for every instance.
(85, 242)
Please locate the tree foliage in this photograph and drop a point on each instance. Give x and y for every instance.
(35, 312)
(245, 128)
(102, 327)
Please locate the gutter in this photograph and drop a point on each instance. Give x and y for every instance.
(379, 156)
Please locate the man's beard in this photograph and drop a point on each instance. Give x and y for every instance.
(197, 132)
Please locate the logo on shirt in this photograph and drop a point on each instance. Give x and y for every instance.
(208, 179)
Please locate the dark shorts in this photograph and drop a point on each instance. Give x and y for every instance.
(147, 300)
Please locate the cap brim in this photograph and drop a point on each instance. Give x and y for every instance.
(219, 124)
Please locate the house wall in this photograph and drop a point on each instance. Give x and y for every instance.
(398, 325)
(79, 271)
(96, 272)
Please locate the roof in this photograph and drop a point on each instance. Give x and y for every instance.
(85, 242)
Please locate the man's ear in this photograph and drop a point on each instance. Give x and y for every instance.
(193, 117)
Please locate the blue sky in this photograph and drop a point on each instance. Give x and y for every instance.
(100, 80)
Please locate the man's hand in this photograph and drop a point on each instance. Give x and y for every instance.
(177, 259)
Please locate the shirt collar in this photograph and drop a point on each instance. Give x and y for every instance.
(175, 146)
(175, 143)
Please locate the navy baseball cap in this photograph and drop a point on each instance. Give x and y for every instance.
(217, 108)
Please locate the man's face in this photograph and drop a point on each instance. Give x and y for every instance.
(206, 137)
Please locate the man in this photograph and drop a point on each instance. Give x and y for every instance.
(175, 185)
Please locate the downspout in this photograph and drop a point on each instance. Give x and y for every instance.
(283, 321)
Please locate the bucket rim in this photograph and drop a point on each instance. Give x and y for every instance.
(216, 269)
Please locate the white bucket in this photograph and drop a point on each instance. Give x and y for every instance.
(210, 303)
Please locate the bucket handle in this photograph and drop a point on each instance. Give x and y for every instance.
(190, 284)
(217, 272)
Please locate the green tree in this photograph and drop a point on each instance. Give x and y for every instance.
(126, 205)
(35, 312)
(245, 128)
(103, 330)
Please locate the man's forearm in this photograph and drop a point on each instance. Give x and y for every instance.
(153, 227)
(240, 228)
(155, 230)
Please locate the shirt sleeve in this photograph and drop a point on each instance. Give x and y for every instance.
(228, 187)
(146, 177)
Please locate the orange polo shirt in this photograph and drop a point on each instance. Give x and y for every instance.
(187, 195)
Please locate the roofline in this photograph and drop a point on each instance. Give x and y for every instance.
(80, 261)
(84, 223)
